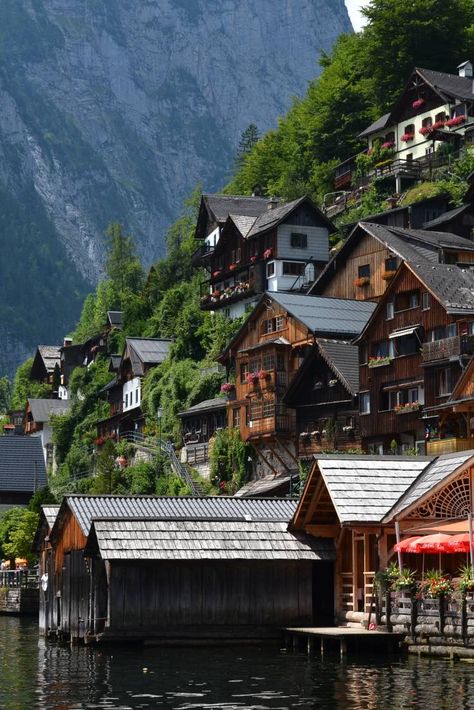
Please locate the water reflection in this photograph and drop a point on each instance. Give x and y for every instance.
(35, 674)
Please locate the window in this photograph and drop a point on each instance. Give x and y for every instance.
(384, 348)
(293, 268)
(270, 269)
(236, 255)
(409, 129)
(409, 157)
(273, 324)
(126, 400)
(268, 362)
(364, 403)
(244, 369)
(390, 310)
(391, 263)
(442, 332)
(407, 345)
(390, 137)
(445, 382)
(136, 396)
(254, 365)
(363, 353)
(363, 270)
(280, 362)
(407, 395)
(425, 301)
(440, 117)
(298, 240)
(427, 122)
(236, 417)
(405, 301)
(268, 409)
(451, 257)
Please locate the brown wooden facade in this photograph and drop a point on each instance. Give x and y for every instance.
(411, 353)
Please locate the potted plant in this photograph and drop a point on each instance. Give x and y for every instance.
(455, 121)
(388, 274)
(267, 253)
(362, 281)
(253, 258)
(405, 581)
(379, 360)
(466, 580)
(436, 585)
(227, 387)
(263, 374)
(252, 378)
(425, 130)
(217, 273)
(438, 124)
(418, 103)
(232, 267)
(407, 137)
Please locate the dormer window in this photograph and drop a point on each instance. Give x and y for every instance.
(273, 324)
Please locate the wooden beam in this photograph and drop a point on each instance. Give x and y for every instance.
(323, 530)
(314, 500)
(289, 452)
(259, 453)
(275, 453)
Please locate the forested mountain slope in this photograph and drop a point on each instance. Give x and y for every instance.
(114, 110)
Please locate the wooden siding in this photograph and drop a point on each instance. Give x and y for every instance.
(147, 598)
(71, 538)
(368, 251)
(317, 247)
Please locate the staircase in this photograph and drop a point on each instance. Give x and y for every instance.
(156, 446)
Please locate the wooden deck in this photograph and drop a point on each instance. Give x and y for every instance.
(348, 637)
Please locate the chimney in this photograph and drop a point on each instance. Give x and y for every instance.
(272, 203)
(465, 70)
(67, 342)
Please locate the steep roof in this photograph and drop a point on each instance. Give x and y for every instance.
(50, 513)
(204, 540)
(375, 126)
(244, 224)
(271, 218)
(326, 315)
(41, 409)
(446, 217)
(365, 488)
(51, 356)
(115, 318)
(451, 285)
(221, 206)
(22, 465)
(343, 359)
(147, 351)
(440, 469)
(208, 405)
(85, 508)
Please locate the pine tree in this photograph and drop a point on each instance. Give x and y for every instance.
(248, 139)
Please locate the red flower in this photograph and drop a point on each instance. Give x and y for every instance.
(232, 267)
(267, 253)
(253, 259)
(456, 120)
(217, 273)
(407, 137)
(418, 103)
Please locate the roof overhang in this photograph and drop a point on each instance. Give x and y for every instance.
(402, 332)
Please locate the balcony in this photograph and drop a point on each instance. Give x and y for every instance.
(232, 294)
(201, 253)
(447, 348)
(448, 446)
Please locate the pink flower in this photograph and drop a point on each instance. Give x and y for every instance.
(418, 103)
(407, 137)
(267, 253)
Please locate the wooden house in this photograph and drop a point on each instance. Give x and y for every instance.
(356, 501)
(324, 395)
(42, 545)
(280, 249)
(46, 364)
(368, 259)
(435, 109)
(265, 355)
(199, 424)
(412, 352)
(22, 470)
(37, 422)
(124, 391)
(75, 611)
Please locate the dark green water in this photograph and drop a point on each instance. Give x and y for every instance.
(34, 674)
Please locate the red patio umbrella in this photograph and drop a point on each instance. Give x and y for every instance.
(431, 544)
(458, 543)
(406, 544)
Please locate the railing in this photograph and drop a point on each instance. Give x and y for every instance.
(200, 253)
(347, 593)
(447, 348)
(19, 579)
(197, 453)
(227, 296)
(448, 446)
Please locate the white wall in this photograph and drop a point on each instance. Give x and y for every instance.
(286, 282)
(317, 243)
(131, 394)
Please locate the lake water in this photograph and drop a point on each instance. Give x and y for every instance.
(35, 674)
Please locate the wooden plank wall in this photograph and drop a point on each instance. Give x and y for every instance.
(155, 595)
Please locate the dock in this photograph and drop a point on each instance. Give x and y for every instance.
(347, 637)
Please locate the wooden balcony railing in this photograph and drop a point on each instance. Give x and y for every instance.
(203, 251)
(448, 348)
(448, 446)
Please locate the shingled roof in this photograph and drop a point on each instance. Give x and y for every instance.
(86, 508)
(451, 285)
(207, 405)
(22, 467)
(221, 206)
(147, 351)
(41, 409)
(271, 218)
(343, 359)
(365, 488)
(446, 217)
(204, 540)
(51, 356)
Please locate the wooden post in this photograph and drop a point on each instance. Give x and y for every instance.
(354, 572)
(397, 533)
(471, 543)
(343, 648)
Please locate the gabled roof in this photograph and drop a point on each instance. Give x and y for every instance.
(114, 363)
(22, 467)
(221, 206)
(115, 318)
(446, 217)
(452, 286)
(439, 470)
(272, 218)
(47, 518)
(41, 409)
(86, 508)
(408, 244)
(208, 405)
(343, 359)
(147, 351)
(375, 126)
(324, 315)
(50, 355)
(203, 540)
(50, 512)
(365, 488)
(244, 224)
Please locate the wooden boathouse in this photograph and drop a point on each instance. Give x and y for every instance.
(137, 567)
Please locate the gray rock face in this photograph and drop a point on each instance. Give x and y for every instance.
(115, 109)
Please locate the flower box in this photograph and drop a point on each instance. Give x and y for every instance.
(407, 408)
(418, 103)
(253, 259)
(426, 130)
(388, 145)
(216, 293)
(407, 137)
(379, 361)
(263, 374)
(267, 253)
(318, 386)
(305, 435)
(252, 378)
(438, 124)
(455, 121)
(388, 274)
(227, 387)
(232, 267)
(362, 281)
(348, 429)
(217, 273)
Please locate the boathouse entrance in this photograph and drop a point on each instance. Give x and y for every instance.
(323, 593)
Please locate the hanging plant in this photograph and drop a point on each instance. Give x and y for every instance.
(418, 103)
(407, 137)
(267, 253)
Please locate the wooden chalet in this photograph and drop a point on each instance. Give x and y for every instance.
(199, 424)
(435, 109)
(123, 392)
(324, 395)
(22, 470)
(412, 352)
(46, 364)
(369, 258)
(356, 501)
(265, 355)
(281, 248)
(175, 576)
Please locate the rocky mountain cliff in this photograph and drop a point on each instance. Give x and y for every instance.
(114, 110)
